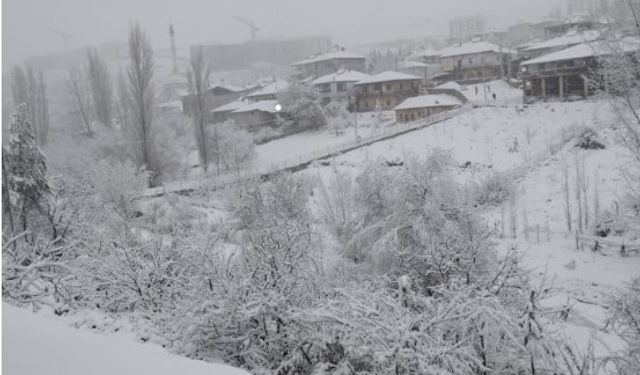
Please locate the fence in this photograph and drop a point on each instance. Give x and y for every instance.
(302, 161)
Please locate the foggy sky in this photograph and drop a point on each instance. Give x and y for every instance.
(349, 22)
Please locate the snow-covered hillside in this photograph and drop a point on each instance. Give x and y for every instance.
(34, 344)
(482, 141)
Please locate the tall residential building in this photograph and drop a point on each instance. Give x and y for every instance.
(462, 29)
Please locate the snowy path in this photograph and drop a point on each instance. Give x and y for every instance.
(33, 345)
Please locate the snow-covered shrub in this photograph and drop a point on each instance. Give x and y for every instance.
(609, 224)
(234, 148)
(631, 197)
(118, 185)
(625, 319)
(338, 117)
(336, 202)
(172, 213)
(418, 225)
(249, 305)
(277, 239)
(301, 105)
(169, 153)
(588, 140)
(140, 271)
(36, 270)
(493, 189)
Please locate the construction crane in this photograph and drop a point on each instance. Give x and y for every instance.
(252, 28)
(62, 34)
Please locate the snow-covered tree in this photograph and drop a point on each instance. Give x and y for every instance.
(301, 106)
(79, 93)
(198, 83)
(101, 87)
(231, 146)
(30, 90)
(140, 96)
(26, 169)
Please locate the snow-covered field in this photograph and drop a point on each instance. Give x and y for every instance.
(36, 344)
(275, 153)
(581, 279)
(482, 93)
(484, 136)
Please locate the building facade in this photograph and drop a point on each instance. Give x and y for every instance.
(214, 97)
(462, 29)
(257, 115)
(561, 75)
(419, 107)
(475, 62)
(385, 91)
(244, 55)
(328, 63)
(339, 87)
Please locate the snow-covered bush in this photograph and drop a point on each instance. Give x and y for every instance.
(625, 320)
(417, 224)
(233, 148)
(492, 190)
(118, 185)
(249, 303)
(36, 271)
(301, 105)
(609, 223)
(338, 117)
(143, 272)
(337, 202)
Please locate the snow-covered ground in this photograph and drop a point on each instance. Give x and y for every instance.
(35, 344)
(583, 280)
(484, 135)
(482, 93)
(276, 152)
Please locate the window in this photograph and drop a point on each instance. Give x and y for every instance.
(470, 61)
(377, 86)
(388, 103)
(342, 86)
(388, 86)
(412, 117)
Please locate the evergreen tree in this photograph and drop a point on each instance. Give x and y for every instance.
(25, 169)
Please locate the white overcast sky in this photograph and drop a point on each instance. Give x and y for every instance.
(25, 22)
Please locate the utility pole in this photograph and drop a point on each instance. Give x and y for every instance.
(484, 86)
(356, 113)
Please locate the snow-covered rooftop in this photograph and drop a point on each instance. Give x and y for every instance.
(333, 55)
(473, 47)
(407, 64)
(388, 76)
(226, 87)
(428, 101)
(342, 76)
(596, 48)
(451, 85)
(429, 53)
(262, 106)
(270, 89)
(173, 104)
(569, 39)
(234, 105)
